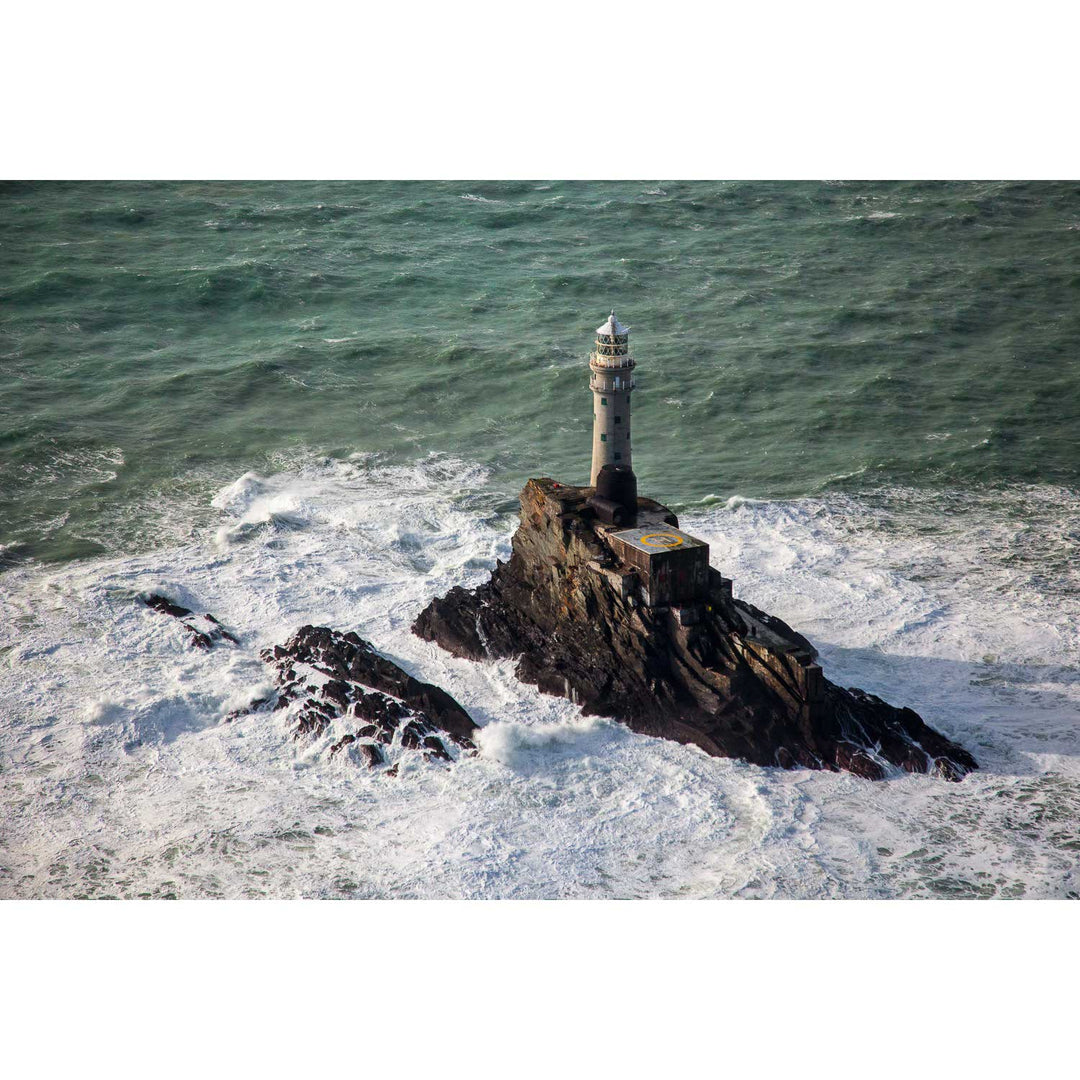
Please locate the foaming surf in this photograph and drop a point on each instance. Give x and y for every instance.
(122, 777)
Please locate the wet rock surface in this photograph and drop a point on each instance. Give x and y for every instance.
(337, 688)
(735, 681)
(204, 631)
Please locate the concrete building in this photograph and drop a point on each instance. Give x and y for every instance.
(672, 566)
(611, 381)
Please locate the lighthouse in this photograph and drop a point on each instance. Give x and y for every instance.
(611, 382)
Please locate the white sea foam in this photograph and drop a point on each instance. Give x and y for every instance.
(120, 776)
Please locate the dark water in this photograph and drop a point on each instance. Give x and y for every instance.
(157, 339)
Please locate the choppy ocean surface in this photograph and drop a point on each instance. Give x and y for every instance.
(289, 403)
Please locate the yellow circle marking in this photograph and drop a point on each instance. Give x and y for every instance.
(661, 540)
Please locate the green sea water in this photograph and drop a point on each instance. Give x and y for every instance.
(159, 339)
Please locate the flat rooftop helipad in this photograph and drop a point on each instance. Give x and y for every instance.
(653, 539)
(673, 566)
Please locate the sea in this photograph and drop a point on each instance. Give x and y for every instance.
(290, 403)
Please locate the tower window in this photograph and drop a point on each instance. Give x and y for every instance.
(603, 437)
(603, 401)
(618, 456)
(618, 419)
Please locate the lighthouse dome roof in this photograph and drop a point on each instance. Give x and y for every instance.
(612, 326)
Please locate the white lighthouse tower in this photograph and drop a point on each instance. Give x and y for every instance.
(611, 382)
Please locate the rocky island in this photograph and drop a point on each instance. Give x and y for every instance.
(606, 602)
(719, 673)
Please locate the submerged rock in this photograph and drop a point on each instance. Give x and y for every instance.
(725, 676)
(204, 631)
(333, 682)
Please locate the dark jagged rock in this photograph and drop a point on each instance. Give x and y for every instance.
(252, 706)
(332, 681)
(737, 682)
(372, 756)
(204, 630)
